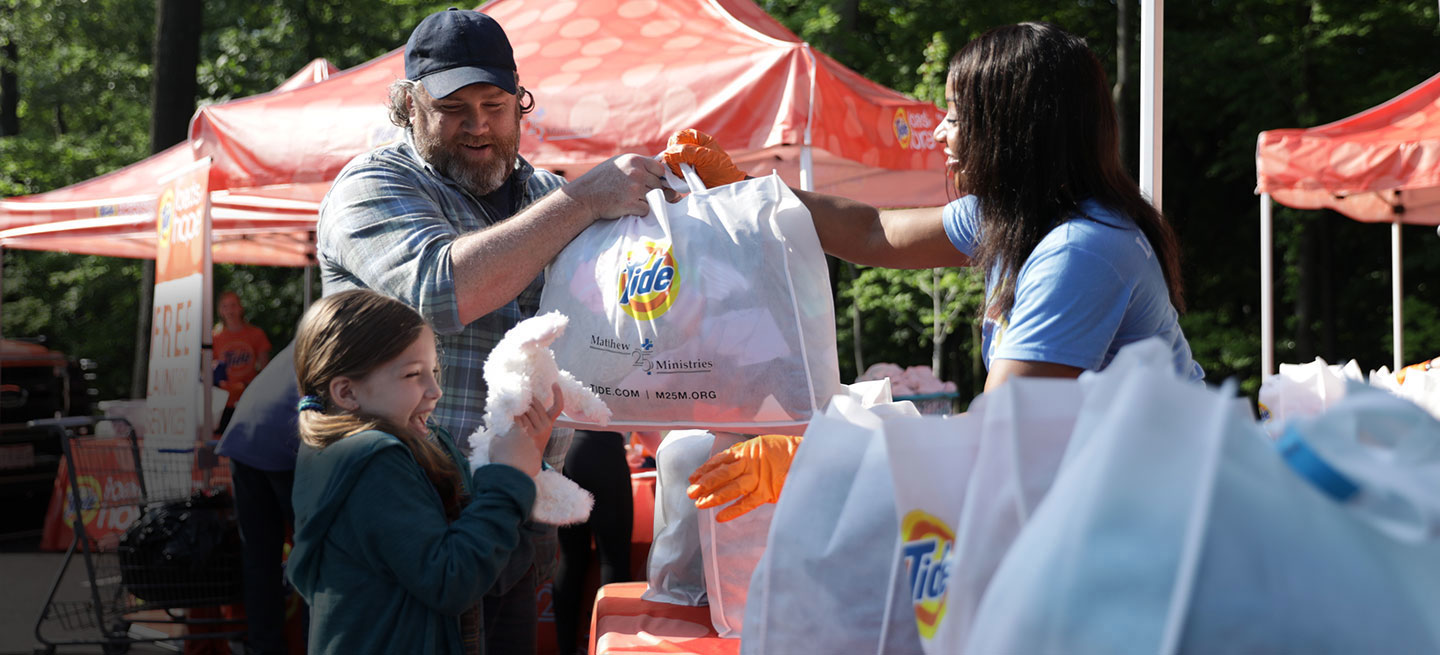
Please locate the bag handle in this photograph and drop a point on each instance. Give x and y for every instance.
(690, 183)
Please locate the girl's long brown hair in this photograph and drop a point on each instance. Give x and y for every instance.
(1038, 135)
(351, 334)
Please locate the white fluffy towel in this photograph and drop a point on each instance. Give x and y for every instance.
(520, 367)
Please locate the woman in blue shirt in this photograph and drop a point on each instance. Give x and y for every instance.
(1078, 262)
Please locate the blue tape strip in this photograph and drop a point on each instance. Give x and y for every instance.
(1305, 461)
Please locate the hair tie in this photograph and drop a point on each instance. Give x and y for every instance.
(310, 402)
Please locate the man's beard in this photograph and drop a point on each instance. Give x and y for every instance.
(480, 179)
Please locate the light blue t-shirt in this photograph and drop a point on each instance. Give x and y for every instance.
(1090, 287)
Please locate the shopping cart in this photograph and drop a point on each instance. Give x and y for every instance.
(938, 404)
(151, 547)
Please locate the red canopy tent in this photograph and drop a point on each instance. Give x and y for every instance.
(1380, 165)
(609, 76)
(114, 214)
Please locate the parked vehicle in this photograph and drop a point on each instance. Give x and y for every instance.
(35, 383)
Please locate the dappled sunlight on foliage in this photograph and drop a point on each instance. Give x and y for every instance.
(1232, 69)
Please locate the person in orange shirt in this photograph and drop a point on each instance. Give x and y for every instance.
(241, 350)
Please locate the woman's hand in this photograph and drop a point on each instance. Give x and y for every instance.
(524, 444)
(752, 471)
(700, 150)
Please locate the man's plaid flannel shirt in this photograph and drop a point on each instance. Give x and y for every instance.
(387, 224)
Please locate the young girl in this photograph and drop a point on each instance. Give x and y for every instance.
(395, 539)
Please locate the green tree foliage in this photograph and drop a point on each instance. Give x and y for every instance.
(84, 73)
(83, 70)
(253, 46)
(899, 322)
(1232, 69)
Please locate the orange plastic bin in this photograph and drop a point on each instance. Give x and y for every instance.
(623, 623)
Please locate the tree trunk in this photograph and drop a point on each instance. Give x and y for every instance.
(849, 12)
(176, 56)
(1326, 291)
(9, 90)
(1307, 253)
(140, 371)
(1305, 295)
(172, 101)
(937, 350)
(858, 350)
(1122, 72)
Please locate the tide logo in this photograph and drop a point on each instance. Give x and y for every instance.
(928, 542)
(902, 128)
(649, 281)
(165, 221)
(89, 502)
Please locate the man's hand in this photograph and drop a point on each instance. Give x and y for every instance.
(700, 150)
(753, 471)
(617, 186)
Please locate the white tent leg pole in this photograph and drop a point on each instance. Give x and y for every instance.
(1267, 288)
(807, 161)
(1397, 295)
(807, 167)
(1152, 76)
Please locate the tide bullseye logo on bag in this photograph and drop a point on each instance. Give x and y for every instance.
(648, 281)
(89, 502)
(928, 542)
(901, 124)
(166, 210)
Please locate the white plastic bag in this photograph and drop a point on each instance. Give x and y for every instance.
(1302, 390)
(1387, 450)
(964, 488)
(1175, 526)
(713, 312)
(829, 581)
(1419, 384)
(674, 568)
(730, 551)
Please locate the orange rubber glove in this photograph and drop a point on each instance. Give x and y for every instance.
(753, 471)
(700, 150)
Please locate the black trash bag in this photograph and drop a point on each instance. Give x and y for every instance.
(184, 554)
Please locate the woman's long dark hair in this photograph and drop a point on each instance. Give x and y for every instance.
(351, 334)
(1038, 135)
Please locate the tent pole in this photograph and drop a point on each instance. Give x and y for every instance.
(1267, 288)
(1152, 76)
(807, 162)
(1396, 294)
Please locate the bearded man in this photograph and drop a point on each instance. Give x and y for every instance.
(452, 221)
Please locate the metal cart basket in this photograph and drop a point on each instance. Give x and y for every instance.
(939, 404)
(150, 547)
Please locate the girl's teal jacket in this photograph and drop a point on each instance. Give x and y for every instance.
(381, 568)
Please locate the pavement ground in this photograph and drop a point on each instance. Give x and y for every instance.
(26, 575)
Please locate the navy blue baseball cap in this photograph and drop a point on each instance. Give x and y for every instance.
(455, 48)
